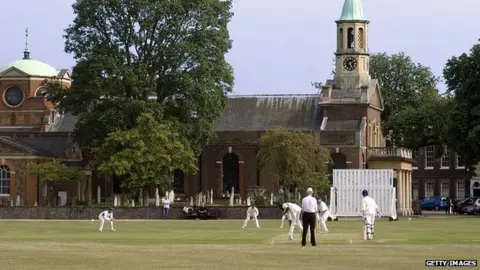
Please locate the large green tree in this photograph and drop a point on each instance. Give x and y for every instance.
(130, 50)
(145, 155)
(293, 159)
(427, 124)
(462, 77)
(404, 83)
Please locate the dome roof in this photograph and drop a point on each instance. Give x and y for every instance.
(32, 68)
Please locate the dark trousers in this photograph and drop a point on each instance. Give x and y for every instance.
(165, 212)
(309, 221)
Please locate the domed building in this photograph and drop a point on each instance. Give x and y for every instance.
(30, 128)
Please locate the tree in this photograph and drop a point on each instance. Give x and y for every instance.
(404, 83)
(53, 172)
(427, 124)
(145, 155)
(127, 51)
(294, 159)
(462, 77)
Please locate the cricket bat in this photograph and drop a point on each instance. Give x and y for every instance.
(364, 233)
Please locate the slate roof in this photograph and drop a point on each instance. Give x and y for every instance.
(63, 123)
(250, 113)
(50, 146)
(262, 112)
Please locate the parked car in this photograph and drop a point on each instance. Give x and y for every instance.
(463, 203)
(434, 203)
(476, 207)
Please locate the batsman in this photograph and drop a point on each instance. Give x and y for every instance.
(369, 212)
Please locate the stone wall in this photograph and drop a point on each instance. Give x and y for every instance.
(27, 212)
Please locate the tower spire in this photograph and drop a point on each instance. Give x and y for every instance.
(352, 11)
(26, 52)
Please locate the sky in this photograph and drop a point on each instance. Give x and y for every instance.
(279, 46)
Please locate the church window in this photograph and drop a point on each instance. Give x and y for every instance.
(360, 38)
(340, 39)
(350, 38)
(41, 92)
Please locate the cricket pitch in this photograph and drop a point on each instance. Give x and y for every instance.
(223, 244)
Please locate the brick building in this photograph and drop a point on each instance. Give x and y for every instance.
(344, 117)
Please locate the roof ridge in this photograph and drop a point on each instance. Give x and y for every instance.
(276, 95)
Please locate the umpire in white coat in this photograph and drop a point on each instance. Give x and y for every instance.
(310, 209)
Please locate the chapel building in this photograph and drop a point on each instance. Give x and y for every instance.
(344, 117)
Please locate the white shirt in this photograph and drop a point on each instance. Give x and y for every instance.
(166, 203)
(309, 204)
(106, 215)
(369, 206)
(323, 207)
(293, 208)
(252, 211)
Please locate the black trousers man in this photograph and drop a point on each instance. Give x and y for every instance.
(309, 221)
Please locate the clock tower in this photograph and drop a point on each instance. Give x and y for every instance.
(352, 54)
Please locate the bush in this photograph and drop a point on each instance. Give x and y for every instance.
(260, 200)
(256, 194)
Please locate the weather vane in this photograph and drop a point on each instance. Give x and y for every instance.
(26, 53)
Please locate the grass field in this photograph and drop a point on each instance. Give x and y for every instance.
(222, 244)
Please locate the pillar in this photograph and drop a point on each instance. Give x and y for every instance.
(405, 193)
(219, 190)
(240, 178)
(401, 192)
(410, 198)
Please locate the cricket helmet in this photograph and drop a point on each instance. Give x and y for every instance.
(365, 193)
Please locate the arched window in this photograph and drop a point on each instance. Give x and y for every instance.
(350, 38)
(361, 38)
(340, 39)
(4, 180)
(178, 181)
(41, 92)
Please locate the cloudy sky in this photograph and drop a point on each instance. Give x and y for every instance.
(280, 46)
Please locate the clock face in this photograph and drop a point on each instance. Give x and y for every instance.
(350, 63)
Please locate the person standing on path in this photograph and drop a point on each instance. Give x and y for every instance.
(310, 209)
(166, 207)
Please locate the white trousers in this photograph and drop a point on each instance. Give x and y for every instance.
(295, 222)
(102, 222)
(248, 219)
(322, 218)
(370, 225)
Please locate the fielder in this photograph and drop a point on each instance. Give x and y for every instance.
(294, 212)
(286, 216)
(322, 216)
(369, 212)
(252, 212)
(108, 216)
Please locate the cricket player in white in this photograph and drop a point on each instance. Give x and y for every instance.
(286, 216)
(252, 212)
(108, 216)
(294, 211)
(323, 214)
(369, 212)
